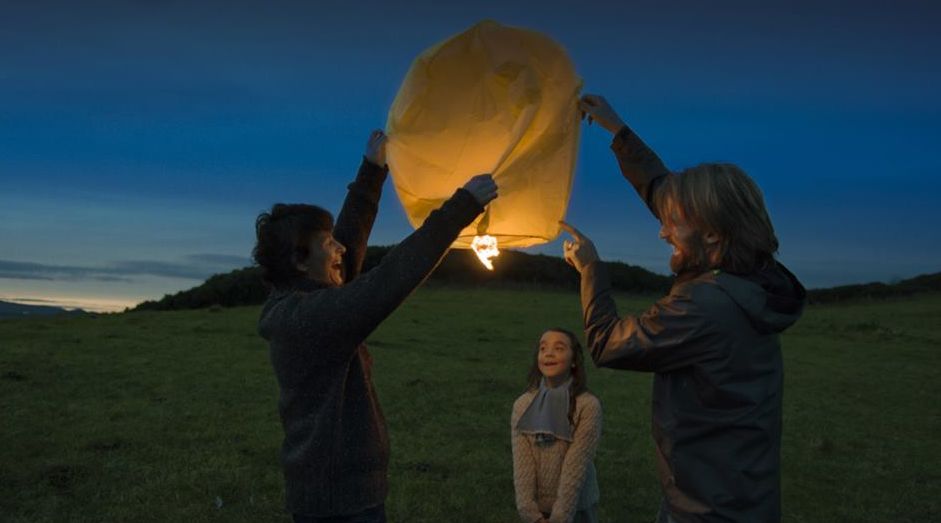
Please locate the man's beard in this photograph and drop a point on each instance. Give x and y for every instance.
(690, 257)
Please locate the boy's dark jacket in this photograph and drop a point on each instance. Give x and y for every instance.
(335, 452)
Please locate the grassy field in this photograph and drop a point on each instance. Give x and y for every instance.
(171, 416)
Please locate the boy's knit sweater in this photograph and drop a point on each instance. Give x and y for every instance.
(335, 452)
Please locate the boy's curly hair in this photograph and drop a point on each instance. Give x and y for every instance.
(283, 236)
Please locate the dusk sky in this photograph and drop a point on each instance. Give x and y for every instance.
(140, 139)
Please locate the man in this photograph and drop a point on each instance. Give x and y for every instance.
(335, 453)
(712, 342)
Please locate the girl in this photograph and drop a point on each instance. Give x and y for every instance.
(555, 428)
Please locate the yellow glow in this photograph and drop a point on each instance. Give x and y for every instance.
(493, 99)
(485, 247)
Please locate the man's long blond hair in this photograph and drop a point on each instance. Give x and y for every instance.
(720, 198)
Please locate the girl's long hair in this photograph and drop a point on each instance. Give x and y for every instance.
(579, 377)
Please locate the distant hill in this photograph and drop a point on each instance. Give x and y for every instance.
(877, 290)
(231, 289)
(511, 269)
(19, 310)
(459, 267)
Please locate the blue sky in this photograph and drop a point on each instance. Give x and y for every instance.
(139, 140)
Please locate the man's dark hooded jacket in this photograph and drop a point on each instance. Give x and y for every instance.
(713, 346)
(335, 452)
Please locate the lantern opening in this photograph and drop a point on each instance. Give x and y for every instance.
(485, 247)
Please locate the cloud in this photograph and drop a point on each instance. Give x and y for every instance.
(193, 267)
(220, 259)
(38, 271)
(30, 300)
(15, 275)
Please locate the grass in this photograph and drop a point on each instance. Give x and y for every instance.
(171, 416)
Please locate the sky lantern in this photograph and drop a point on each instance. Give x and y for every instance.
(492, 99)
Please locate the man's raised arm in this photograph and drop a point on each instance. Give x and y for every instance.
(639, 163)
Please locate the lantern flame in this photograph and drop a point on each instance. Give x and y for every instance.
(485, 247)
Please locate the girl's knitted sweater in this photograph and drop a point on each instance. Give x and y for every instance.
(557, 478)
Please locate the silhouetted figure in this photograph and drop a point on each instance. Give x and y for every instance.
(335, 452)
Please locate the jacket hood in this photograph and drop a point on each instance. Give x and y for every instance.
(773, 298)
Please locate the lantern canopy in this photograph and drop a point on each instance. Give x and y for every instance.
(493, 99)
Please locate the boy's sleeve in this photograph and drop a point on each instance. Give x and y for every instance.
(358, 216)
(347, 315)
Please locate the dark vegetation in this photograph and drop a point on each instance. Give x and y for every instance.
(512, 269)
(878, 290)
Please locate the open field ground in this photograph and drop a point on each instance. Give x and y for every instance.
(171, 416)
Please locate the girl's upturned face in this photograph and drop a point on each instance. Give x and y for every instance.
(555, 357)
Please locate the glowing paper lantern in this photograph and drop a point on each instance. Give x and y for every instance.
(493, 99)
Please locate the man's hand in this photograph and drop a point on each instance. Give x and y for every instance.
(597, 109)
(579, 253)
(376, 148)
(483, 188)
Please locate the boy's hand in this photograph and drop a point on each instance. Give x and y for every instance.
(376, 148)
(483, 188)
